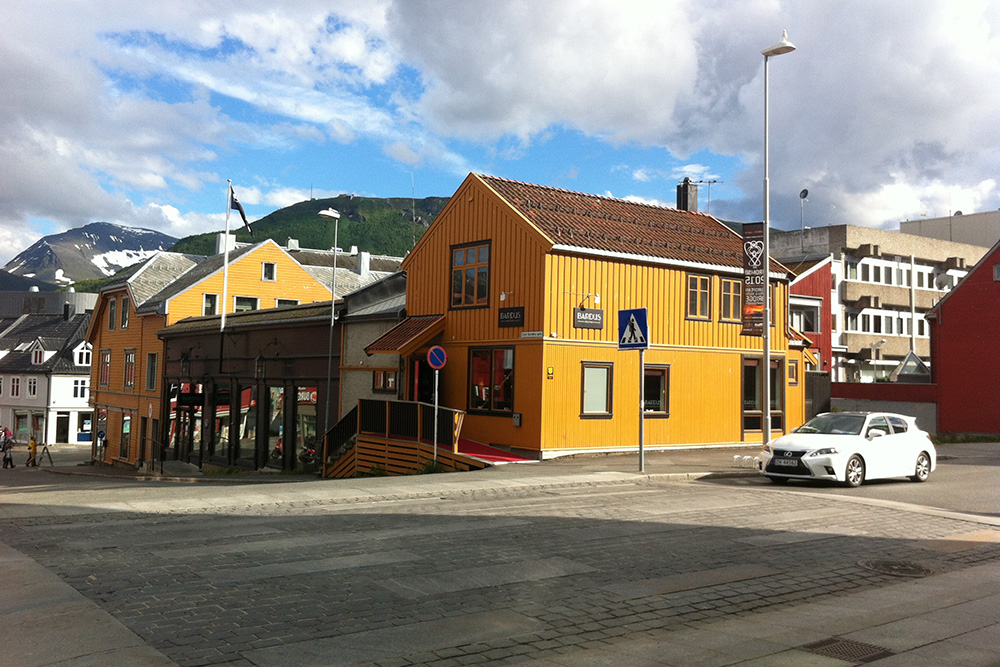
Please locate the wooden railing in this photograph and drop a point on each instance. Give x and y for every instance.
(394, 437)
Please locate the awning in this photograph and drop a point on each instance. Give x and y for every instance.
(408, 336)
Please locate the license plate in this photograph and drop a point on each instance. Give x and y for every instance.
(793, 463)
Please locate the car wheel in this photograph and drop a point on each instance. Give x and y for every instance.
(855, 473)
(778, 480)
(923, 469)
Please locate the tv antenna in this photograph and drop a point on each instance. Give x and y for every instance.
(709, 184)
(802, 208)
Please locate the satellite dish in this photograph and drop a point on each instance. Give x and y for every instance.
(803, 194)
(958, 213)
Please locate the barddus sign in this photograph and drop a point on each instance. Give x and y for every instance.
(588, 318)
(754, 279)
(511, 317)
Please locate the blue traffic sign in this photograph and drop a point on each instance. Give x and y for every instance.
(633, 329)
(437, 357)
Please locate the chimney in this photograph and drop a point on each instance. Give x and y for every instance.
(293, 244)
(220, 243)
(67, 310)
(354, 250)
(364, 263)
(687, 195)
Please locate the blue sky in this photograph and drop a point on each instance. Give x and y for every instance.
(137, 113)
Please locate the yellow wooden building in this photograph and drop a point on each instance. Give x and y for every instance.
(128, 362)
(522, 284)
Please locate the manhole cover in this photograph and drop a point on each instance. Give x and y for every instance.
(896, 568)
(848, 650)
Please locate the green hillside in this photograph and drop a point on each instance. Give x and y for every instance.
(380, 226)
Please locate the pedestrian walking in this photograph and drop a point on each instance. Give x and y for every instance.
(32, 451)
(7, 436)
(8, 455)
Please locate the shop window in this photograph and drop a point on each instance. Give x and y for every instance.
(269, 272)
(129, 377)
(151, 370)
(596, 390)
(491, 379)
(248, 423)
(126, 440)
(732, 300)
(699, 297)
(220, 421)
(125, 312)
(276, 425)
(210, 304)
(243, 304)
(656, 391)
(112, 313)
(470, 275)
(384, 382)
(305, 420)
(104, 371)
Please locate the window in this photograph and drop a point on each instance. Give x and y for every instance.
(384, 382)
(32, 387)
(852, 270)
(269, 272)
(83, 356)
(852, 321)
(151, 371)
(470, 275)
(129, 367)
(793, 372)
(286, 302)
(1, 386)
(866, 323)
(920, 279)
(80, 388)
(876, 324)
(244, 304)
(698, 297)
(210, 304)
(112, 313)
(656, 391)
(876, 274)
(888, 323)
(15, 387)
(104, 369)
(921, 327)
(124, 447)
(491, 379)
(898, 425)
(864, 272)
(37, 356)
(805, 319)
(753, 409)
(996, 272)
(732, 300)
(125, 312)
(595, 390)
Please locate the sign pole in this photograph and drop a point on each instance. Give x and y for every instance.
(642, 409)
(437, 372)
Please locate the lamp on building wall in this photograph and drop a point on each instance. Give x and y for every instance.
(335, 214)
(782, 47)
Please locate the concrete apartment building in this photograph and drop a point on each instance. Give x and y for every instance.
(882, 283)
(975, 228)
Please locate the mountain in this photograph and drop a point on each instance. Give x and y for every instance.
(97, 250)
(382, 226)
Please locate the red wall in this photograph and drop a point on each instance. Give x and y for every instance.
(964, 356)
(819, 283)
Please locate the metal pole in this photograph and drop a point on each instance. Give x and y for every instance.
(642, 410)
(436, 374)
(766, 380)
(331, 213)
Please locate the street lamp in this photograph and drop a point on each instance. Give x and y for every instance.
(784, 46)
(335, 214)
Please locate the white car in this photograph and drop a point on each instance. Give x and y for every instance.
(851, 447)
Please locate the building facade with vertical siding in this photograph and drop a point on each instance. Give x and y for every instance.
(522, 284)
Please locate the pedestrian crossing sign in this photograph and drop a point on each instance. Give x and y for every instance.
(633, 329)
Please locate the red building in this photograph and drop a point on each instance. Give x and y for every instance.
(809, 306)
(963, 332)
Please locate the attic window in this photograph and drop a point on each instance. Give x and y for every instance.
(37, 356)
(269, 272)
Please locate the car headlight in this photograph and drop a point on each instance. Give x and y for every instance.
(767, 448)
(826, 451)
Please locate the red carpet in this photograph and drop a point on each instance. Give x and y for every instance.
(487, 453)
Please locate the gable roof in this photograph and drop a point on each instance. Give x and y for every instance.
(52, 332)
(627, 229)
(988, 258)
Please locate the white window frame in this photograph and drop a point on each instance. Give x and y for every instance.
(246, 299)
(273, 271)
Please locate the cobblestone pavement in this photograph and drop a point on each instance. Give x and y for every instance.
(498, 576)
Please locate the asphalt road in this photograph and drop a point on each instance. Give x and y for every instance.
(967, 479)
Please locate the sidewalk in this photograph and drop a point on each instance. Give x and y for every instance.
(950, 618)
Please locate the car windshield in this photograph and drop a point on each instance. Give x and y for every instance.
(834, 424)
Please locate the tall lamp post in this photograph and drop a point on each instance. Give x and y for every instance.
(335, 214)
(782, 47)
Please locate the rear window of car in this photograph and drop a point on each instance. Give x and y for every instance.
(898, 425)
